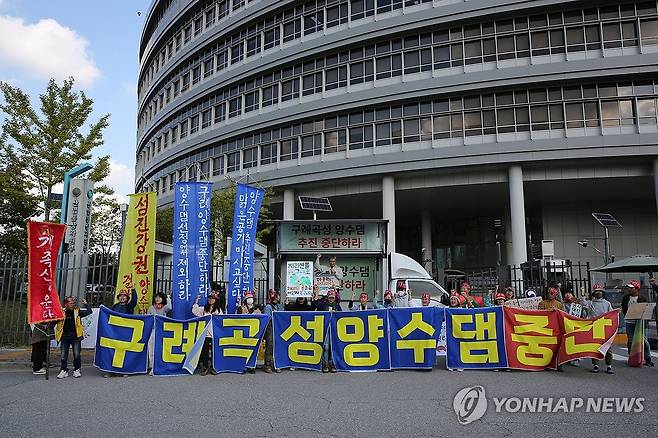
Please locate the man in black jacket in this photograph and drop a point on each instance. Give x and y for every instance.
(632, 297)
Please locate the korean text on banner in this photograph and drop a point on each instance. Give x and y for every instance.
(299, 338)
(587, 338)
(359, 340)
(136, 264)
(248, 200)
(121, 342)
(475, 338)
(236, 339)
(191, 245)
(532, 338)
(299, 279)
(44, 240)
(173, 342)
(414, 332)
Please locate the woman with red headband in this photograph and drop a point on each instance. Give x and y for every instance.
(551, 300)
(211, 308)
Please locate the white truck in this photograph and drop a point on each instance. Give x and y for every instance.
(406, 273)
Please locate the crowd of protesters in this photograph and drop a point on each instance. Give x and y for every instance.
(69, 331)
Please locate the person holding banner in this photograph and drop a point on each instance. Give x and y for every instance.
(334, 271)
(632, 297)
(388, 299)
(39, 341)
(425, 299)
(500, 298)
(509, 293)
(161, 306)
(211, 308)
(273, 305)
(125, 304)
(248, 304)
(363, 302)
(551, 302)
(69, 333)
(594, 308)
(327, 304)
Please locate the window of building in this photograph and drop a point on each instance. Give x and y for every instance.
(218, 165)
(268, 153)
(233, 162)
(289, 149)
(250, 158)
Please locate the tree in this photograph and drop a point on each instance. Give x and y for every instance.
(164, 225)
(105, 234)
(48, 144)
(17, 205)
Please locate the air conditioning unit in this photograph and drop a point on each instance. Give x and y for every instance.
(548, 248)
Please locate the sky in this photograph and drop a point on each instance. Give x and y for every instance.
(96, 42)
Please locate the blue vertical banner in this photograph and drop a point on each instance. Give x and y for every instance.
(236, 340)
(121, 342)
(299, 338)
(475, 338)
(191, 245)
(414, 332)
(173, 343)
(359, 340)
(248, 200)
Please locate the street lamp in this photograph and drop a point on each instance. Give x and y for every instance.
(124, 212)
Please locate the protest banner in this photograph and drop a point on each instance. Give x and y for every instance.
(236, 339)
(532, 338)
(359, 340)
(121, 342)
(299, 279)
(414, 332)
(191, 246)
(587, 338)
(137, 260)
(248, 200)
(475, 338)
(173, 342)
(530, 303)
(299, 338)
(44, 241)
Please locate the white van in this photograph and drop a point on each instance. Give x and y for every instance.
(406, 273)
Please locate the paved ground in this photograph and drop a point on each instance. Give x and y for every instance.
(309, 404)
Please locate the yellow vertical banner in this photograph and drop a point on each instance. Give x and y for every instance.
(137, 260)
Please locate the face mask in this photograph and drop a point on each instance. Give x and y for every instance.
(250, 301)
(598, 295)
(388, 301)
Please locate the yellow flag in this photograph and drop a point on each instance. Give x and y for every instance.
(137, 260)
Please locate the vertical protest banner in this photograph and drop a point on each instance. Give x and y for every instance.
(414, 332)
(236, 340)
(299, 338)
(532, 338)
(137, 260)
(299, 279)
(44, 241)
(248, 200)
(173, 342)
(587, 338)
(191, 246)
(121, 342)
(475, 338)
(359, 340)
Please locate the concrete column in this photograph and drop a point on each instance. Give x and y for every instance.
(388, 209)
(655, 180)
(288, 204)
(426, 239)
(517, 215)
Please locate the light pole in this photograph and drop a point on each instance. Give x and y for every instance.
(124, 212)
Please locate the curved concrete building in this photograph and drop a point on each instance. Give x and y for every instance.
(477, 128)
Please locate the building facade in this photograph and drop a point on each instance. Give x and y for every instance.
(476, 128)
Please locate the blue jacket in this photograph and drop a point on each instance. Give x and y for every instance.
(129, 307)
(323, 305)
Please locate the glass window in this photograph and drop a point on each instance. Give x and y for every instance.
(233, 162)
(557, 116)
(336, 77)
(235, 107)
(289, 149)
(183, 129)
(441, 57)
(649, 31)
(251, 101)
(337, 14)
(611, 35)
(539, 117)
(441, 127)
(289, 89)
(646, 111)
(268, 153)
(411, 130)
(335, 141)
(250, 158)
(311, 145)
(574, 115)
(218, 166)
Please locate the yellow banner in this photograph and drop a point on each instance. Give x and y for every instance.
(136, 264)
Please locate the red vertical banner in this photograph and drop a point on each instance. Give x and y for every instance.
(532, 338)
(587, 338)
(44, 240)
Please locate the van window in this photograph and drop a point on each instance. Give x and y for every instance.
(419, 287)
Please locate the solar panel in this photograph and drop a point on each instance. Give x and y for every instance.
(606, 220)
(315, 204)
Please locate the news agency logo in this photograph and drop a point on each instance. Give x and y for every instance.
(470, 404)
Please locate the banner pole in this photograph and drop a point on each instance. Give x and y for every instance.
(47, 354)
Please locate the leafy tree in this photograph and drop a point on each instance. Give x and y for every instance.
(164, 225)
(50, 142)
(105, 233)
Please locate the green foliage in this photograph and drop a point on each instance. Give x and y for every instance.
(49, 143)
(164, 225)
(105, 234)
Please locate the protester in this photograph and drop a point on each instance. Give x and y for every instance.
(425, 299)
(594, 308)
(272, 305)
(571, 304)
(327, 304)
(402, 298)
(363, 302)
(69, 333)
(551, 302)
(220, 290)
(300, 304)
(509, 293)
(39, 341)
(248, 304)
(388, 299)
(465, 291)
(162, 307)
(334, 272)
(211, 308)
(632, 297)
(499, 299)
(126, 304)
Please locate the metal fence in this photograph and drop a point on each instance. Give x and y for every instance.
(99, 288)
